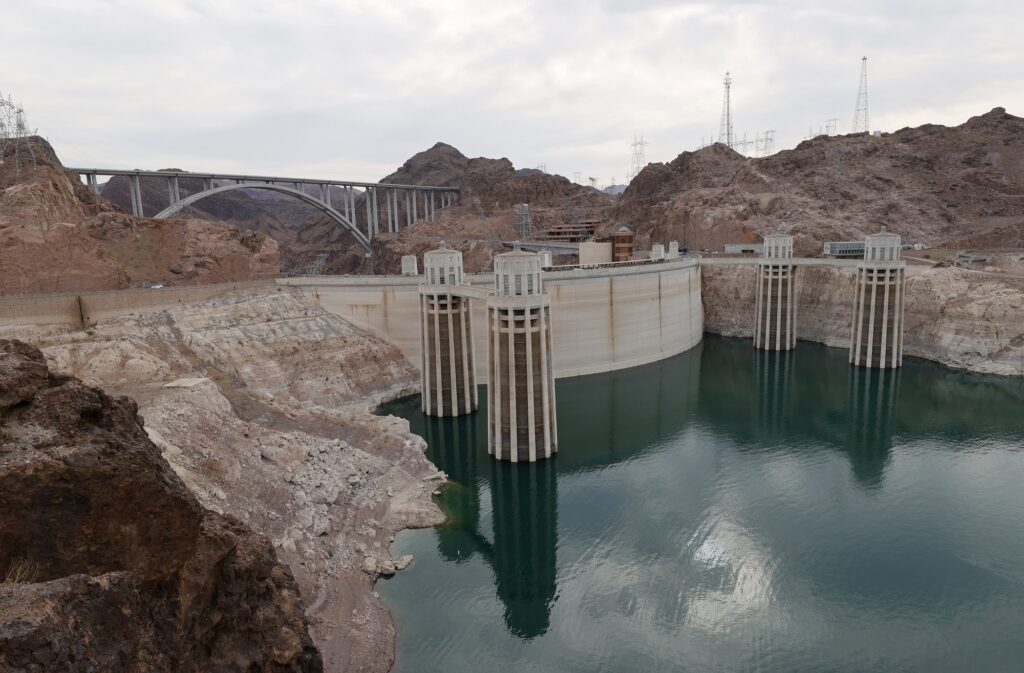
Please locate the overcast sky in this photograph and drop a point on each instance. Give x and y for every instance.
(350, 90)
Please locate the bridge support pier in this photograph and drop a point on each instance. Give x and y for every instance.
(877, 336)
(776, 300)
(136, 195)
(448, 363)
(521, 423)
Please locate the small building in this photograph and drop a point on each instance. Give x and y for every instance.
(847, 249)
(409, 266)
(595, 252)
(744, 248)
(623, 242)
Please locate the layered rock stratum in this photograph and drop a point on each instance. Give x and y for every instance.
(108, 561)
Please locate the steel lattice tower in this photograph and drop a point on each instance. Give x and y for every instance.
(861, 123)
(725, 134)
(638, 161)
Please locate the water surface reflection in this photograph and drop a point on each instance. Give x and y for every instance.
(731, 509)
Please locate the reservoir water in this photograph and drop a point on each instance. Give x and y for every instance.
(730, 510)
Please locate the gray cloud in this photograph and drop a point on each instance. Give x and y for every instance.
(351, 89)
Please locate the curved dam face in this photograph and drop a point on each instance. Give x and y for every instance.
(601, 319)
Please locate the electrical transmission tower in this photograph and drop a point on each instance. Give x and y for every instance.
(14, 135)
(593, 182)
(830, 126)
(638, 162)
(725, 135)
(861, 123)
(743, 146)
(764, 145)
(523, 211)
(542, 167)
(577, 177)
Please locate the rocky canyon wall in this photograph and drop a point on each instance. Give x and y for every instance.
(964, 319)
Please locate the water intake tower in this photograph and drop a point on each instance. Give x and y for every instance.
(776, 299)
(521, 388)
(877, 337)
(447, 362)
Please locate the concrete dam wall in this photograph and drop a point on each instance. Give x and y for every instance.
(602, 319)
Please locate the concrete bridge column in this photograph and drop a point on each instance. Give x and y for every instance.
(433, 211)
(448, 363)
(415, 216)
(776, 298)
(136, 195)
(877, 336)
(174, 190)
(522, 425)
(90, 180)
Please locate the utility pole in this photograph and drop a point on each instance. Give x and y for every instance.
(861, 124)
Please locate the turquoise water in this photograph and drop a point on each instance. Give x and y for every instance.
(729, 510)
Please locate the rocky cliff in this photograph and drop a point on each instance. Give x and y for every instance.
(57, 236)
(108, 562)
(964, 319)
(932, 184)
(262, 404)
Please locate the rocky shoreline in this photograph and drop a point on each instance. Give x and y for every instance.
(262, 405)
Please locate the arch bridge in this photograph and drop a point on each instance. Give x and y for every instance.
(360, 207)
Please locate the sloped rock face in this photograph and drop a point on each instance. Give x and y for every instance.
(57, 236)
(109, 563)
(261, 402)
(931, 184)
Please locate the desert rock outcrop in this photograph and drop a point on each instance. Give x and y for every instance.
(109, 562)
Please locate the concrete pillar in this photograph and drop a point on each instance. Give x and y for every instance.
(776, 296)
(447, 362)
(433, 211)
(90, 179)
(522, 423)
(408, 210)
(657, 251)
(673, 249)
(136, 194)
(370, 228)
(207, 184)
(175, 189)
(414, 215)
(876, 340)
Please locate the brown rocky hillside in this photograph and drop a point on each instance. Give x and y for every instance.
(57, 236)
(932, 184)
